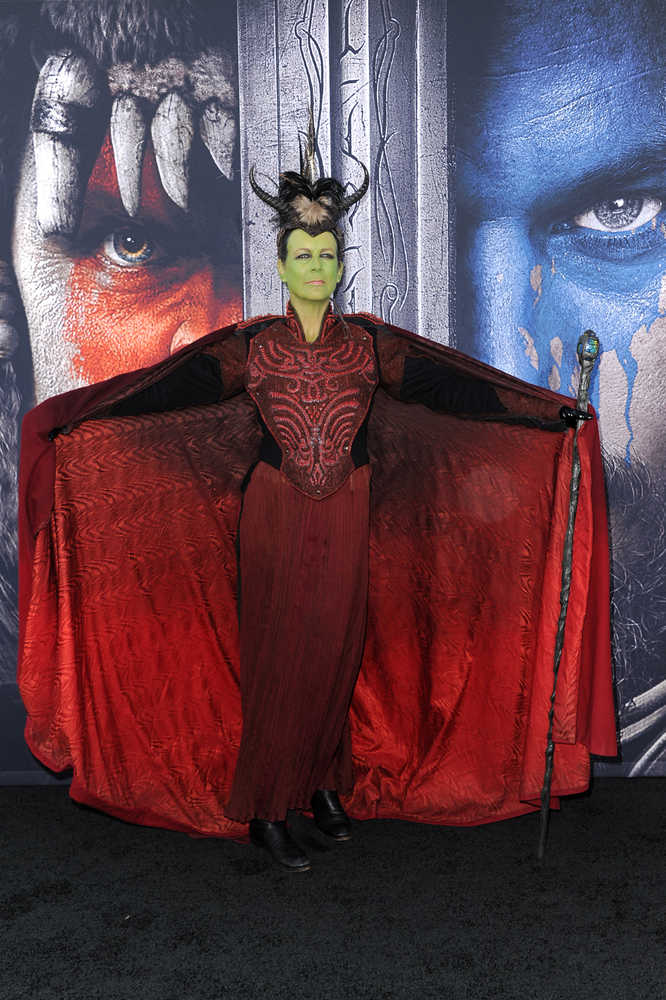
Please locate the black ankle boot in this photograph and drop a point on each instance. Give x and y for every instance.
(283, 849)
(329, 815)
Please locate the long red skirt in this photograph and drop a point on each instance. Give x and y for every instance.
(303, 601)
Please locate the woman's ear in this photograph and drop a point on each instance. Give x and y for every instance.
(280, 268)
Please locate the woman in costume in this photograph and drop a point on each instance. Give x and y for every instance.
(305, 516)
(303, 568)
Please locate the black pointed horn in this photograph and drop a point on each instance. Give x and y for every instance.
(358, 193)
(309, 155)
(270, 199)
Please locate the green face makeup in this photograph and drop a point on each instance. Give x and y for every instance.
(312, 269)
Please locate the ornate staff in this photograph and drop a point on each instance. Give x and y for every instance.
(587, 351)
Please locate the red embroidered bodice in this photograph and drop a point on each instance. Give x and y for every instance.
(313, 398)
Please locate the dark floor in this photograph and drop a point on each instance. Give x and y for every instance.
(94, 908)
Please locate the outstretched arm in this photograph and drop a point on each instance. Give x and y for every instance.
(411, 375)
(436, 386)
(206, 377)
(416, 370)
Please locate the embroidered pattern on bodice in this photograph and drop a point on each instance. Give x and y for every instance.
(313, 398)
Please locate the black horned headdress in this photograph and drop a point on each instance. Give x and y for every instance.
(305, 202)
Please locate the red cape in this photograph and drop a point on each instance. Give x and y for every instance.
(129, 638)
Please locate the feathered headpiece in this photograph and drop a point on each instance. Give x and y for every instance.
(302, 201)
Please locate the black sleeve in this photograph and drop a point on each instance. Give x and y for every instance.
(436, 386)
(197, 381)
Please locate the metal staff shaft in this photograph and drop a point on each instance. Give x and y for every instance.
(587, 351)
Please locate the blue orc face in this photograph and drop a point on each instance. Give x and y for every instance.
(561, 200)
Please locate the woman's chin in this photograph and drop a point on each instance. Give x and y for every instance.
(316, 294)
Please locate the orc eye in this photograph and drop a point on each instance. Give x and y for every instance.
(621, 214)
(129, 246)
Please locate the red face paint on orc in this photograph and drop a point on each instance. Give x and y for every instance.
(124, 292)
(150, 293)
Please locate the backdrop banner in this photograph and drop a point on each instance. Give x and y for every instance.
(516, 199)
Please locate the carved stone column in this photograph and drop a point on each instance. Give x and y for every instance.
(375, 73)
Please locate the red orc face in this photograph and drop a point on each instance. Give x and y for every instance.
(126, 291)
(150, 292)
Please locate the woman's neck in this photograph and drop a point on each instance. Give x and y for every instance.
(310, 316)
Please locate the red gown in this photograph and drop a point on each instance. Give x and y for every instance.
(130, 646)
(303, 567)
